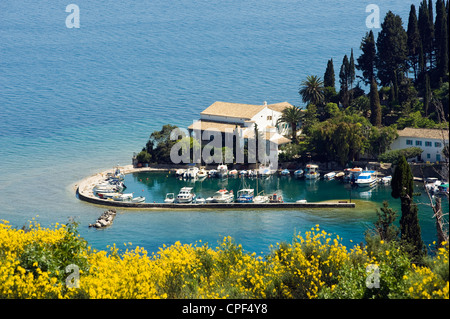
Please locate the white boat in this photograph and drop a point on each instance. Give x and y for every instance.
(202, 173)
(170, 198)
(298, 173)
(245, 195)
(329, 176)
(212, 173)
(233, 173)
(191, 172)
(266, 171)
(243, 173)
(432, 185)
(252, 173)
(139, 199)
(200, 200)
(108, 195)
(301, 201)
(185, 195)
(222, 171)
(261, 198)
(221, 196)
(123, 197)
(366, 179)
(285, 172)
(311, 171)
(386, 180)
(180, 172)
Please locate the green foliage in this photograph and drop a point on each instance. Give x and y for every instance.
(160, 144)
(144, 157)
(311, 90)
(402, 180)
(292, 116)
(394, 155)
(366, 62)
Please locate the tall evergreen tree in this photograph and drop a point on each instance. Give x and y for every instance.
(366, 61)
(391, 59)
(343, 80)
(402, 187)
(329, 77)
(427, 95)
(375, 107)
(441, 40)
(426, 30)
(351, 70)
(413, 40)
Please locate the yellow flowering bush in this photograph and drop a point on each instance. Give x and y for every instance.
(316, 264)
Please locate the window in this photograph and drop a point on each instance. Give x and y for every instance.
(409, 142)
(429, 144)
(437, 144)
(269, 117)
(428, 155)
(418, 143)
(438, 157)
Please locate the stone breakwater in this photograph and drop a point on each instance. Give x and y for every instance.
(84, 191)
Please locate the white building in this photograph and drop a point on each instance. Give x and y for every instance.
(431, 141)
(225, 117)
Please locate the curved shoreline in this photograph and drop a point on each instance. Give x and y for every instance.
(84, 191)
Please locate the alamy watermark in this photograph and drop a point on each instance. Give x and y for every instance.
(373, 278)
(373, 19)
(73, 19)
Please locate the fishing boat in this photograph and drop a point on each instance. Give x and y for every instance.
(298, 173)
(386, 180)
(311, 171)
(366, 179)
(275, 198)
(185, 195)
(329, 176)
(245, 195)
(170, 198)
(285, 172)
(222, 171)
(202, 173)
(221, 196)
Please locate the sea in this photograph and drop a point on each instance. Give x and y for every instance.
(75, 101)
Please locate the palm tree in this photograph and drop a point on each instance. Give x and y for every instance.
(312, 90)
(292, 116)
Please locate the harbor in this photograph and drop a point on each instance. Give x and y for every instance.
(108, 188)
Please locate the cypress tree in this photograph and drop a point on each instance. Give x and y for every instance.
(391, 49)
(441, 40)
(343, 80)
(427, 95)
(329, 77)
(366, 61)
(375, 107)
(413, 40)
(402, 187)
(426, 30)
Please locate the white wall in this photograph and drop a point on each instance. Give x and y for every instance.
(431, 153)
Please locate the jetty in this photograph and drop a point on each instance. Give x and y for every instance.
(84, 192)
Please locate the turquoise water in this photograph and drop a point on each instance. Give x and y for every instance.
(77, 101)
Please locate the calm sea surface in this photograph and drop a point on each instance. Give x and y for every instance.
(77, 101)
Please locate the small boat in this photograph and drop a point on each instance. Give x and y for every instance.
(266, 171)
(311, 171)
(202, 173)
(170, 198)
(432, 185)
(261, 198)
(123, 197)
(252, 173)
(366, 179)
(386, 180)
(200, 200)
(185, 195)
(298, 173)
(191, 172)
(221, 196)
(329, 176)
(233, 173)
(139, 199)
(212, 173)
(275, 198)
(245, 195)
(222, 171)
(301, 201)
(108, 195)
(180, 172)
(443, 189)
(243, 173)
(285, 172)
(339, 175)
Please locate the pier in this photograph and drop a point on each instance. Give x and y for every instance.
(84, 191)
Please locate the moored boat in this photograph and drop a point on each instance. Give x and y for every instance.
(285, 172)
(170, 198)
(351, 174)
(386, 179)
(329, 176)
(221, 196)
(261, 198)
(222, 171)
(275, 198)
(366, 179)
(311, 171)
(245, 195)
(185, 195)
(298, 173)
